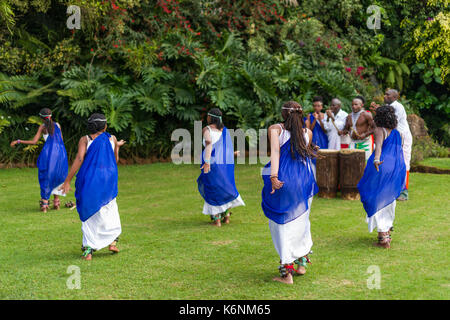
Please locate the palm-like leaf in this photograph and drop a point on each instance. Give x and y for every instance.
(117, 110)
(17, 91)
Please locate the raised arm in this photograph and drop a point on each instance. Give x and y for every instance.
(274, 133)
(208, 150)
(35, 139)
(307, 122)
(371, 124)
(321, 122)
(82, 147)
(57, 124)
(313, 124)
(346, 127)
(379, 139)
(310, 135)
(117, 145)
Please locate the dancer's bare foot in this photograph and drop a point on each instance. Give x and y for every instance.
(301, 270)
(216, 220)
(87, 253)
(56, 203)
(44, 205)
(287, 279)
(384, 240)
(112, 247)
(226, 220)
(88, 257)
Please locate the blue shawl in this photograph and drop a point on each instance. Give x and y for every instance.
(379, 189)
(96, 183)
(218, 187)
(52, 163)
(319, 137)
(291, 201)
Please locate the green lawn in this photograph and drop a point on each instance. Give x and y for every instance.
(169, 250)
(441, 163)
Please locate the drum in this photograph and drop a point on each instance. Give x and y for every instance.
(351, 169)
(327, 173)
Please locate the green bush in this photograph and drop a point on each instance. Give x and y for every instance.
(425, 147)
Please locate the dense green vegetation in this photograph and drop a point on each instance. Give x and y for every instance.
(169, 249)
(153, 66)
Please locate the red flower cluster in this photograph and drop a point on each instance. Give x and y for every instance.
(184, 50)
(358, 71)
(170, 6)
(237, 18)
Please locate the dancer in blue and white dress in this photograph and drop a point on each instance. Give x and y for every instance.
(289, 187)
(384, 176)
(216, 182)
(52, 162)
(96, 187)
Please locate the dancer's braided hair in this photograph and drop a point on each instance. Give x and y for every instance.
(292, 114)
(96, 123)
(46, 116)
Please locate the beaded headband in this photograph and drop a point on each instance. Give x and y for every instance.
(216, 116)
(45, 116)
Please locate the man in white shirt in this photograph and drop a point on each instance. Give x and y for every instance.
(391, 96)
(334, 121)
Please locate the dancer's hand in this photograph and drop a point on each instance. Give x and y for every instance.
(356, 136)
(121, 143)
(237, 153)
(374, 106)
(12, 144)
(276, 184)
(377, 165)
(65, 187)
(206, 167)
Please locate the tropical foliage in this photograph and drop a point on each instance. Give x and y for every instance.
(153, 66)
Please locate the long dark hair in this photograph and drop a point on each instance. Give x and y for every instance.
(46, 116)
(292, 114)
(215, 116)
(96, 123)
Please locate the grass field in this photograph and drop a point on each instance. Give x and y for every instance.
(169, 250)
(441, 163)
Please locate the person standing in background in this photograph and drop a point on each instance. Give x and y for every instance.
(334, 122)
(314, 122)
(360, 126)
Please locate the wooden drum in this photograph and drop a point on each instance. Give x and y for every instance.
(327, 173)
(351, 169)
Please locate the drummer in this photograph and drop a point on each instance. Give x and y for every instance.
(334, 121)
(360, 126)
